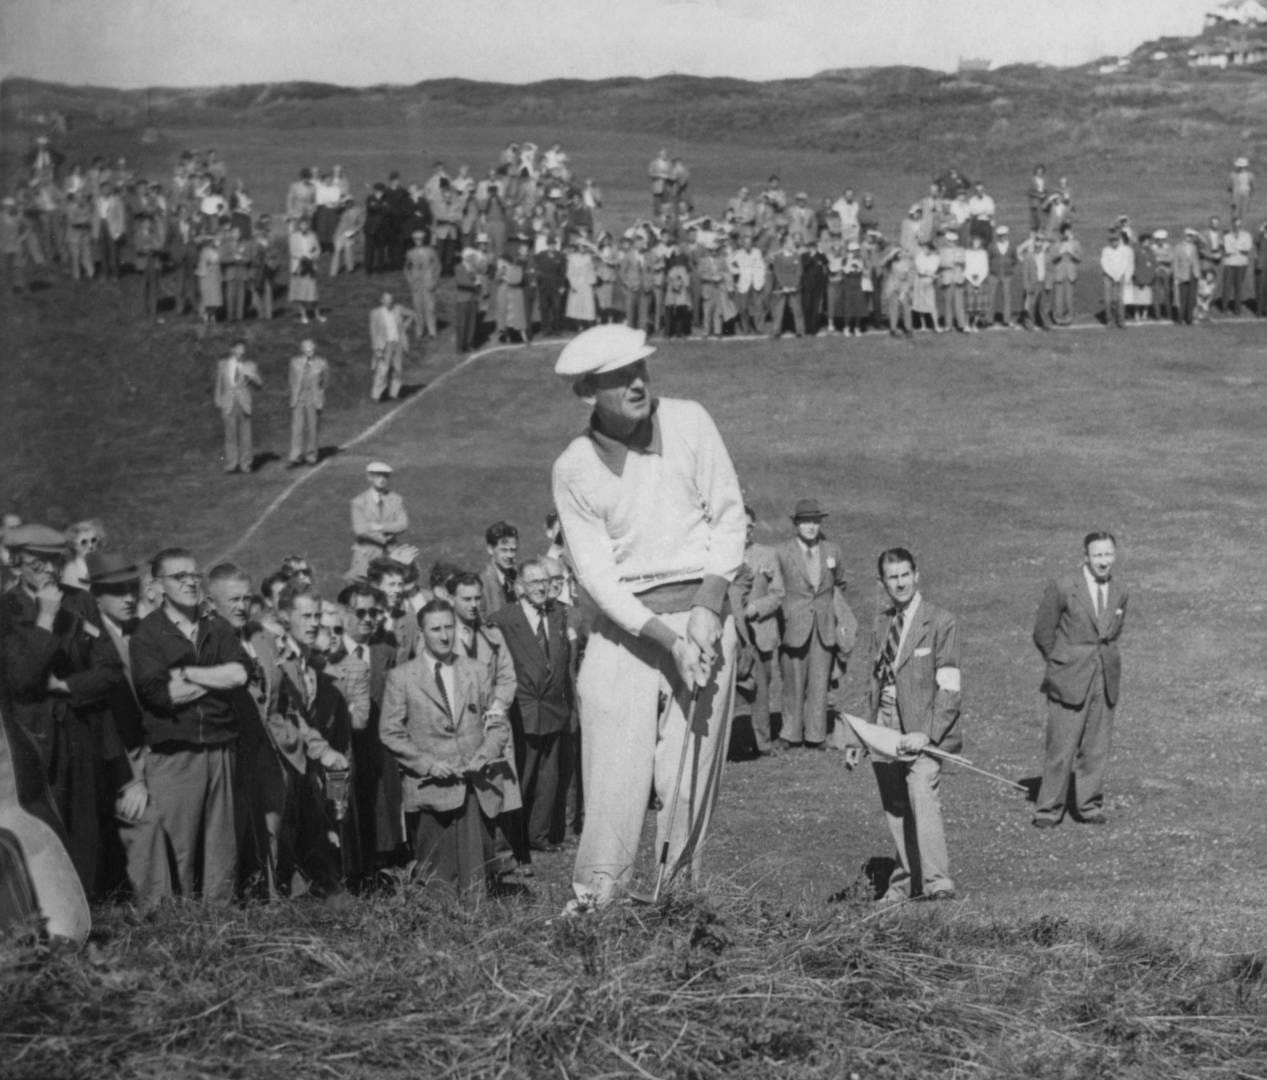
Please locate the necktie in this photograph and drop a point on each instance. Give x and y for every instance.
(543, 639)
(444, 694)
(471, 649)
(811, 564)
(360, 652)
(1101, 600)
(884, 669)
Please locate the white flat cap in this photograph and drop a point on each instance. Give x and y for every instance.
(378, 466)
(602, 348)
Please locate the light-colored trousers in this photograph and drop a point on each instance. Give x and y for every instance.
(424, 301)
(1078, 744)
(303, 431)
(629, 742)
(388, 371)
(911, 796)
(806, 673)
(193, 793)
(239, 450)
(145, 848)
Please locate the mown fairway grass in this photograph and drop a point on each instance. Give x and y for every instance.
(1133, 950)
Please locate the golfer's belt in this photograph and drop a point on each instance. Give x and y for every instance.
(677, 596)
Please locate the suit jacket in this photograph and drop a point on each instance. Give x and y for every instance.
(1075, 644)
(370, 523)
(809, 609)
(491, 652)
(352, 679)
(543, 687)
(286, 705)
(928, 697)
(418, 731)
(766, 595)
(495, 596)
(380, 322)
(236, 393)
(308, 381)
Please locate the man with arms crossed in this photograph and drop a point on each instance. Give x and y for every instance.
(1076, 629)
(650, 505)
(187, 667)
(915, 689)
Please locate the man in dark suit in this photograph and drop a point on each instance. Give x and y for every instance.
(1077, 628)
(377, 776)
(915, 689)
(812, 572)
(536, 637)
(58, 669)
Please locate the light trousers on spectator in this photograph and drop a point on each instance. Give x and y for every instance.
(424, 302)
(193, 794)
(145, 848)
(911, 796)
(343, 257)
(751, 310)
(239, 450)
(950, 301)
(629, 744)
(900, 313)
(388, 370)
(806, 672)
(1036, 306)
(784, 300)
(1078, 742)
(304, 418)
(81, 261)
(637, 308)
(713, 324)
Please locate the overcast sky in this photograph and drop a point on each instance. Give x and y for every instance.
(212, 42)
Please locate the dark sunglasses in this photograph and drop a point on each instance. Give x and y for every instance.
(367, 612)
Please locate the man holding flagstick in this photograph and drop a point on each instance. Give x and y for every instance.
(655, 526)
(915, 689)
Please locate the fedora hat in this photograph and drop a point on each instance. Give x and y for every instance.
(808, 510)
(110, 568)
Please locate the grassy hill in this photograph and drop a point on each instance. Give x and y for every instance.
(1149, 111)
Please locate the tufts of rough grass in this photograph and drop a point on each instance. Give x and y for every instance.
(698, 989)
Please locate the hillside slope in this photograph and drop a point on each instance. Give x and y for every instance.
(913, 113)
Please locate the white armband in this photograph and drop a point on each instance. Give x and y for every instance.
(948, 679)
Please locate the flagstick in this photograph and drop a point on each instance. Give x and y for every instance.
(955, 759)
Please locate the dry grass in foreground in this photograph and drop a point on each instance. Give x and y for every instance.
(727, 987)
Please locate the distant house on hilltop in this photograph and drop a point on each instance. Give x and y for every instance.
(1227, 53)
(1236, 13)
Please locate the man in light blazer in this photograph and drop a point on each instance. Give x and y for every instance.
(235, 376)
(757, 607)
(440, 723)
(378, 519)
(812, 573)
(915, 688)
(1076, 629)
(535, 632)
(389, 339)
(309, 374)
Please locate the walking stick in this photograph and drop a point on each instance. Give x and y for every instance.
(883, 744)
(677, 787)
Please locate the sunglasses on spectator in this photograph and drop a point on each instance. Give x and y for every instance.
(88, 541)
(367, 612)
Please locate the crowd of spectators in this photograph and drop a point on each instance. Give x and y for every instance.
(529, 252)
(207, 732)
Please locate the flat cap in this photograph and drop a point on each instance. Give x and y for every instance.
(602, 348)
(38, 539)
(110, 568)
(379, 467)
